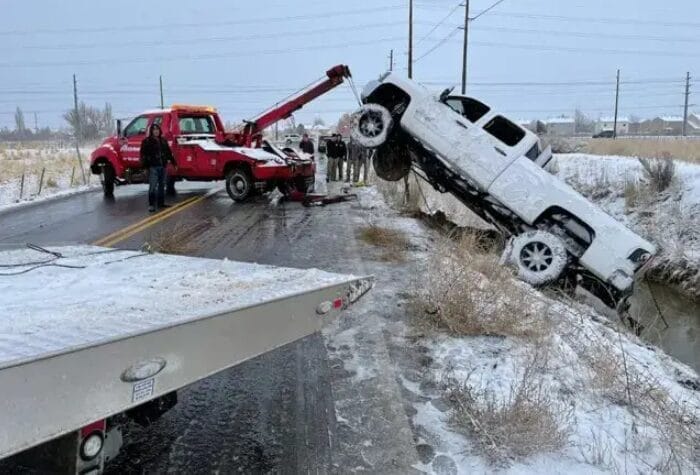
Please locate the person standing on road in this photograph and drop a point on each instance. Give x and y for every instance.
(354, 152)
(155, 155)
(306, 145)
(342, 155)
(336, 152)
(358, 159)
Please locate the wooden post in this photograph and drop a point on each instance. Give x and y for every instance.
(72, 176)
(21, 186)
(41, 180)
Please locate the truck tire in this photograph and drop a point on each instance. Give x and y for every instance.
(107, 178)
(539, 256)
(392, 161)
(371, 125)
(239, 184)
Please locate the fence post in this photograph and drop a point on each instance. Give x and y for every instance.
(72, 176)
(41, 180)
(21, 186)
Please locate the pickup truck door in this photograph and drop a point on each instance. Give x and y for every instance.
(464, 146)
(134, 133)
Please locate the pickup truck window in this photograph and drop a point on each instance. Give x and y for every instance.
(136, 127)
(196, 124)
(471, 109)
(505, 130)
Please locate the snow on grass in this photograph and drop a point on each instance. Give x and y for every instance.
(59, 166)
(595, 400)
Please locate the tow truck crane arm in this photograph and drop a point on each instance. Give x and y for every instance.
(255, 126)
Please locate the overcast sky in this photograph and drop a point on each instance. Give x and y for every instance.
(530, 58)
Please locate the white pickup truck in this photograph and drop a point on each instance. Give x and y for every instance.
(495, 167)
(91, 337)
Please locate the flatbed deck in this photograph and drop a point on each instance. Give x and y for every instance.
(88, 332)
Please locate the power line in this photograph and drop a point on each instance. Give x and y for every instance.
(454, 9)
(169, 26)
(621, 21)
(487, 10)
(209, 39)
(438, 44)
(209, 56)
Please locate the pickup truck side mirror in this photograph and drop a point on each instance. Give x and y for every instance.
(446, 93)
(119, 128)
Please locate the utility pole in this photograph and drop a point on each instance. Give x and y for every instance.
(617, 100)
(464, 46)
(36, 124)
(78, 128)
(410, 39)
(391, 60)
(160, 78)
(685, 107)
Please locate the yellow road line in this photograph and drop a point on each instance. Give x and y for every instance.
(127, 232)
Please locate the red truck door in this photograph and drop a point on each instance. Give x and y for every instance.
(196, 148)
(134, 133)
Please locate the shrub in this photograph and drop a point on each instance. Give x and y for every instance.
(467, 292)
(528, 420)
(658, 172)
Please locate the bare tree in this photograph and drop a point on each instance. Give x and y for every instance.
(19, 121)
(89, 123)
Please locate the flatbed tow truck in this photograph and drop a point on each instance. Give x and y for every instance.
(78, 360)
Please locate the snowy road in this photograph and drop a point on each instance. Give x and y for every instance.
(298, 409)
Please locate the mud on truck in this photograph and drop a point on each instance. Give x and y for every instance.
(204, 151)
(495, 168)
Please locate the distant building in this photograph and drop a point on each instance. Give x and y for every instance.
(608, 123)
(530, 125)
(563, 126)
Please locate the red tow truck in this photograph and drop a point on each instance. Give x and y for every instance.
(204, 151)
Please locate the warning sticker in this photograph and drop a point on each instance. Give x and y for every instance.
(143, 389)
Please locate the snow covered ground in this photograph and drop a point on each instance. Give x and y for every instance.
(616, 404)
(670, 219)
(59, 165)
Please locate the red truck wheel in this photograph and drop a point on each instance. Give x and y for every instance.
(239, 185)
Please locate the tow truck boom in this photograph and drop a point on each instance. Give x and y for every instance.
(255, 126)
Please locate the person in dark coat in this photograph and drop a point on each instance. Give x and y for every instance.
(155, 155)
(306, 145)
(337, 153)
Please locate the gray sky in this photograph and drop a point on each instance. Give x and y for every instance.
(530, 58)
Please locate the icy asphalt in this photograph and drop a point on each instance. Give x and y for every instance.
(330, 403)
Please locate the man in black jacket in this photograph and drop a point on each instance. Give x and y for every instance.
(306, 145)
(155, 155)
(336, 151)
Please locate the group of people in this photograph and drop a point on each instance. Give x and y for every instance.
(352, 157)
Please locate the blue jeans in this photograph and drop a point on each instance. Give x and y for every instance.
(156, 186)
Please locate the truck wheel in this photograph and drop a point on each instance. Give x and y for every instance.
(239, 185)
(107, 178)
(371, 125)
(540, 257)
(392, 162)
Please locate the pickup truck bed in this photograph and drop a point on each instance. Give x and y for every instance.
(90, 332)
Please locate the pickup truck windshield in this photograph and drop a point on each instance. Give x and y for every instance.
(196, 124)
